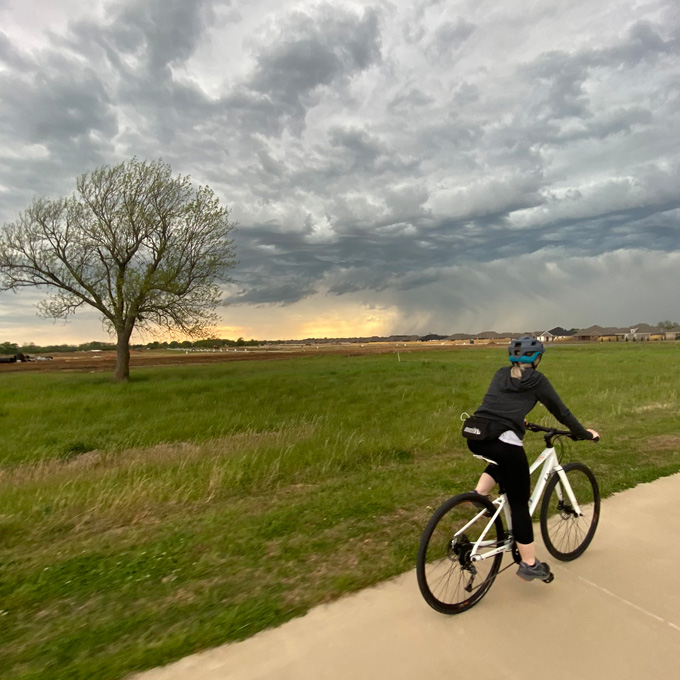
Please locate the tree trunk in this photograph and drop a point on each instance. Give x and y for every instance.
(122, 371)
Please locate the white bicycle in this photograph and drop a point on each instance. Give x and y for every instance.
(462, 547)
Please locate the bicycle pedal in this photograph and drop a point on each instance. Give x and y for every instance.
(550, 578)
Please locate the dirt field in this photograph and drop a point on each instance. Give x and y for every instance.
(104, 361)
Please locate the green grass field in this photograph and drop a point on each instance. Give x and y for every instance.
(199, 505)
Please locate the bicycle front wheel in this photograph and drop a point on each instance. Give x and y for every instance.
(453, 575)
(567, 532)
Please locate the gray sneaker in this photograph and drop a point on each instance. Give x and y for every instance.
(537, 570)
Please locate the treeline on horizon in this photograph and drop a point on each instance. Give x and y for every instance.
(209, 343)
(212, 343)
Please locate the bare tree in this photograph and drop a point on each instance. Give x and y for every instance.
(144, 248)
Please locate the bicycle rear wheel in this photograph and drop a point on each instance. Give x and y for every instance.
(448, 578)
(567, 534)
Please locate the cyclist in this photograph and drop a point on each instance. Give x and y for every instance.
(513, 392)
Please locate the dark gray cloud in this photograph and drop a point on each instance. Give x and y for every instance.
(55, 106)
(310, 54)
(159, 32)
(282, 291)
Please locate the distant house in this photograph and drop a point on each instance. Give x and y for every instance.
(672, 333)
(557, 333)
(487, 337)
(588, 334)
(600, 334)
(643, 332)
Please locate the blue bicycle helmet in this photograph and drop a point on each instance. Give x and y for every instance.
(525, 350)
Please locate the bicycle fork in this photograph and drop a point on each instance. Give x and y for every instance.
(564, 485)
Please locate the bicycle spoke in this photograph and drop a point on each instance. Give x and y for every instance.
(443, 583)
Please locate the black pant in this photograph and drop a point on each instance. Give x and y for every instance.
(512, 475)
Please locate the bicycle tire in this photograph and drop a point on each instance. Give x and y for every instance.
(566, 535)
(448, 580)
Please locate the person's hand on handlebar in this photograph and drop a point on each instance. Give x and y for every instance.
(596, 435)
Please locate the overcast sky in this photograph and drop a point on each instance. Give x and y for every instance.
(395, 167)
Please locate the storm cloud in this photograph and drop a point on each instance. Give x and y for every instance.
(402, 167)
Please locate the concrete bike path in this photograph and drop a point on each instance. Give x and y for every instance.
(614, 612)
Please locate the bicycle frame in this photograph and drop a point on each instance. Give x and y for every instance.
(550, 464)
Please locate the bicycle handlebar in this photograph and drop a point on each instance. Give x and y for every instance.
(551, 432)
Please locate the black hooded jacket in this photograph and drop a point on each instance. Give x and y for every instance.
(508, 401)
